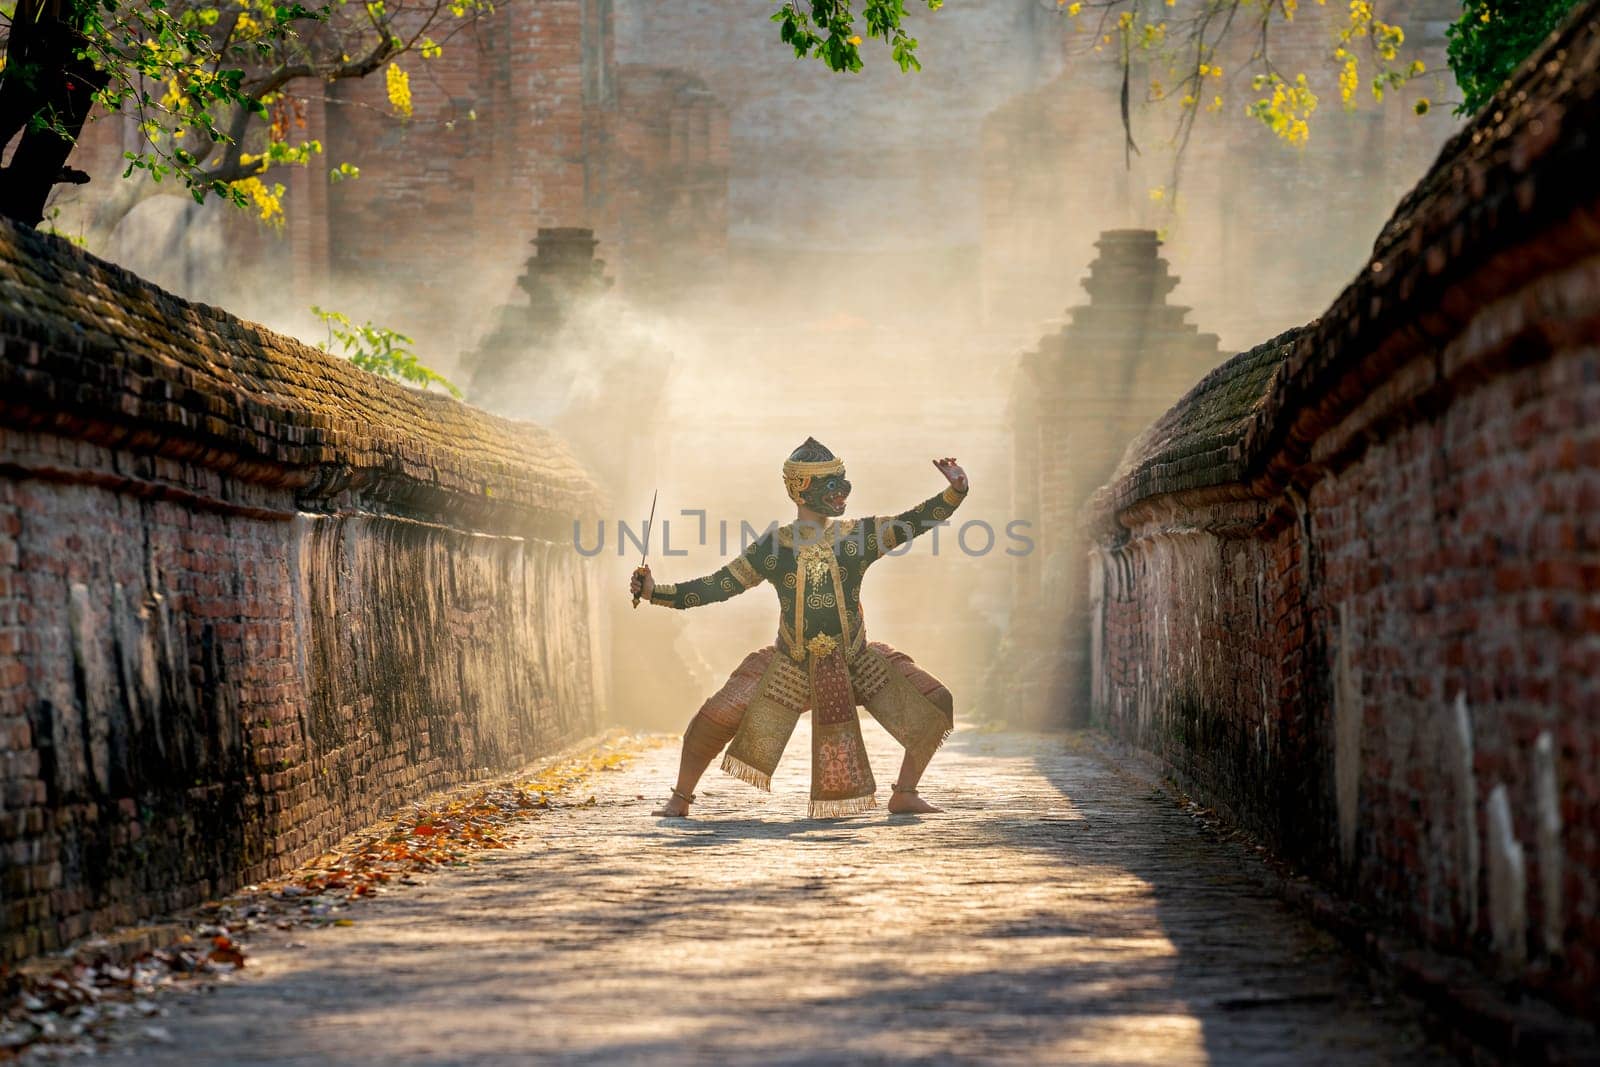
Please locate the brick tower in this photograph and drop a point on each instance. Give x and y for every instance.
(1078, 399)
(562, 274)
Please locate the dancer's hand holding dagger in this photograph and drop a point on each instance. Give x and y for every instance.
(643, 585)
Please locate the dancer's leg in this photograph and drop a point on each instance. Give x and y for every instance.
(704, 738)
(712, 728)
(905, 800)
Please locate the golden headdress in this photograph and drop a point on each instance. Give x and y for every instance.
(811, 460)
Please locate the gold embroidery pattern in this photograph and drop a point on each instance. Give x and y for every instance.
(743, 573)
(797, 651)
(756, 748)
(799, 535)
(837, 599)
(665, 593)
(953, 496)
(813, 561)
(822, 645)
(692, 600)
(892, 533)
(817, 581)
(837, 759)
(869, 673)
(789, 685)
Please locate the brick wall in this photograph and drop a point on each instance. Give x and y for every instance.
(668, 170)
(507, 135)
(250, 597)
(1349, 587)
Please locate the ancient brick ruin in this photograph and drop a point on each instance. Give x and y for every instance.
(250, 597)
(525, 120)
(562, 274)
(1079, 397)
(1347, 587)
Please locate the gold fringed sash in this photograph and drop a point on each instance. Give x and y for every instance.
(769, 721)
(841, 777)
(910, 717)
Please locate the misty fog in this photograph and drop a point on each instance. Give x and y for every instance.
(893, 242)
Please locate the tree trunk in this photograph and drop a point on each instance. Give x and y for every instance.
(46, 93)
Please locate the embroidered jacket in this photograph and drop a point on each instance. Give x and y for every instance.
(817, 573)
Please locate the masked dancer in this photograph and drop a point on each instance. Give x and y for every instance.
(821, 661)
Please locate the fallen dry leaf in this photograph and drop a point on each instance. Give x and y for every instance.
(72, 1006)
(223, 950)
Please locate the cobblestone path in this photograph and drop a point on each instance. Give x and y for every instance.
(1059, 912)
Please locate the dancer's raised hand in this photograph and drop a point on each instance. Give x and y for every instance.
(952, 472)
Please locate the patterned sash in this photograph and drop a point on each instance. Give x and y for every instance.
(841, 777)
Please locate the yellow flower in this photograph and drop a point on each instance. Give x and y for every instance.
(1287, 110)
(268, 201)
(856, 39)
(398, 82)
(1348, 80)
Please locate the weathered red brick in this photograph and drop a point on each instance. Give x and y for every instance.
(186, 572)
(1454, 552)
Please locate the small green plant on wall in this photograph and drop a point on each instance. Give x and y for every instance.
(1492, 37)
(382, 351)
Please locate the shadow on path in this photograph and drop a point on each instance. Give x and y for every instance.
(1057, 913)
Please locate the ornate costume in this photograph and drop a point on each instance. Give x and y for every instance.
(821, 660)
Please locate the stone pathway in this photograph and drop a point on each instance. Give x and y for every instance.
(1060, 912)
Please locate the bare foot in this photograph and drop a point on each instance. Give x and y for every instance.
(675, 808)
(909, 804)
